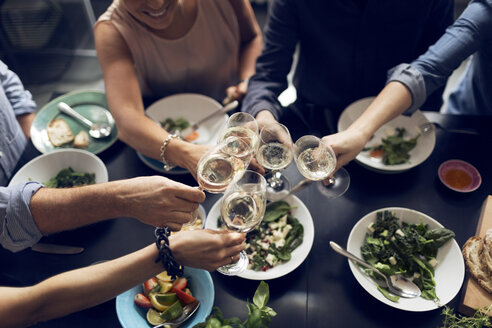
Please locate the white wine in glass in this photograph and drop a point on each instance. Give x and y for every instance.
(242, 209)
(275, 154)
(316, 161)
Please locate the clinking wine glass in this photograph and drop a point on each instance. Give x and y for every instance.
(316, 161)
(218, 166)
(244, 126)
(275, 154)
(242, 209)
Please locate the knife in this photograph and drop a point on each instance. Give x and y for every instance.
(56, 249)
(224, 109)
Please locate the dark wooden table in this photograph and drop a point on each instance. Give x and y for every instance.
(321, 292)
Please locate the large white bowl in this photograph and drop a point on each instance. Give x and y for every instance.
(449, 273)
(46, 166)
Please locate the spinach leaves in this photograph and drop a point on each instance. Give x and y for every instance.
(67, 178)
(396, 149)
(409, 249)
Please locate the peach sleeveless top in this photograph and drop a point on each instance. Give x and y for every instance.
(204, 61)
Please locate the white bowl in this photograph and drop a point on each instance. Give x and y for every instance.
(46, 166)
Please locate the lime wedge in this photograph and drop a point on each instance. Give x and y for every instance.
(167, 298)
(154, 317)
(156, 304)
(174, 311)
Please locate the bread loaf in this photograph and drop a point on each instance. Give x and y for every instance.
(474, 251)
(59, 132)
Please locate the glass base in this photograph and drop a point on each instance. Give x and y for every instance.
(235, 268)
(277, 186)
(341, 182)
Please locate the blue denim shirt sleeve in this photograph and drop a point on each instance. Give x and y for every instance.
(431, 70)
(17, 227)
(20, 99)
(275, 62)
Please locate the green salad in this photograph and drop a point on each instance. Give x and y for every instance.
(408, 249)
(275, 238)
(394, 149)
(178, 124)
(67, 178)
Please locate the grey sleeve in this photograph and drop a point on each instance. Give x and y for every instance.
(17, 227)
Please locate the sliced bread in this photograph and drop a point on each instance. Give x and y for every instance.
(81, 140)
(59, 132)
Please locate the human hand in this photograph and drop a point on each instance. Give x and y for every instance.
(187, 155)
(236, 92)
(207, 249)
(346, 145)
(158, 201)
(263, 118)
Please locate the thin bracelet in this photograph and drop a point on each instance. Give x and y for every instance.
(167, 165)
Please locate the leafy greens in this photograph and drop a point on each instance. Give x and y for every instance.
(68, 178)
(396, 149)
(408, 249)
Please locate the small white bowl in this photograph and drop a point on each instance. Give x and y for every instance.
(46, 166)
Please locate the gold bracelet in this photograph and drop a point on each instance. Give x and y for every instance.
(166, 165)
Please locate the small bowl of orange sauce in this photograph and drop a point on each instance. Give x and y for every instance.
(459, 175)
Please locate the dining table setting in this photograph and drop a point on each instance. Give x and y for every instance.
(317, 286)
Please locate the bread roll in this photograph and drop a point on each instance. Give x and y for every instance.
(471, 251)
(59, 132)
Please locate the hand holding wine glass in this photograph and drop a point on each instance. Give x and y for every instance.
(275, 154)
(317, 161)
(242, 209)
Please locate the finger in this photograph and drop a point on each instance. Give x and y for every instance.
(183, 205)
(191, 194)
(231, 239)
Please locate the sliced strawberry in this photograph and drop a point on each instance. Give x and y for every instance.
(180, 283)
(142, 301)
(184, 297)
(150, 285)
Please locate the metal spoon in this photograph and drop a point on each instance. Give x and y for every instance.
(188, 311)
(429, 127)
(96, 130)
(397, 284)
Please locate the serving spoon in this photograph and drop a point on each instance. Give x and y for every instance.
(397, 284)
(96, 130)
(188, 311)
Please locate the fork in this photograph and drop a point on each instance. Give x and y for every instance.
(428, 127)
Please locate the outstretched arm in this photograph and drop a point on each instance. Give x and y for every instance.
(83, 288)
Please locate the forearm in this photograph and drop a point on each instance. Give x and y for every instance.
(392, 101)
(249, 53)
(25, 121)
(76, 290)
(57, 210)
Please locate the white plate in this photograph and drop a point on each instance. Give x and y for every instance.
(423, 149)
(449, 273)
(47, 166)
(193, 107)
(298, 255)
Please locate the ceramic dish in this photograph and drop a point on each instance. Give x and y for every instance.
(191, 107)
(449, 273)
(90, 104)
(132, 316)
(459, 175)
(298, 255)
(423, 149)
(46, 166)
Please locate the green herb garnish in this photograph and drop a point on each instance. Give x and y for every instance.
(176, 125)
(479, 319)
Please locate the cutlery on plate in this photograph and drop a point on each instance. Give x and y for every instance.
(188, 311)
(56, 249)
(224, 109)
(97, 130)
(397, 284)
(428, 127)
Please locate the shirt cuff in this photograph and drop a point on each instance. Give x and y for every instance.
(19, 231)
(261, 106)
(413, 80)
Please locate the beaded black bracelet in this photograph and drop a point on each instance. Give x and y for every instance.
(169, 263)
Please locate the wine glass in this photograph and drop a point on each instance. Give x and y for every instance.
(316, 161)
(275, 154)
(218, 166)
(242, 209)
(244, 126)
